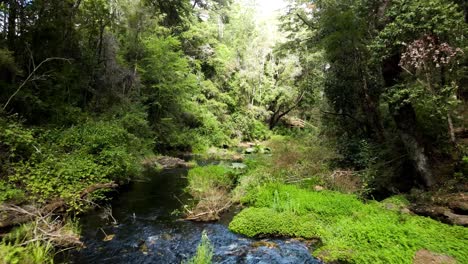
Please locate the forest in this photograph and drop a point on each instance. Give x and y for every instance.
(285, 131)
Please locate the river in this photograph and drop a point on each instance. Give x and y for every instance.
(147, 231)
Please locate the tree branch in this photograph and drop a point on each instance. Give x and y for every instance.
(305, 21)
(344, 115)
(30, 76)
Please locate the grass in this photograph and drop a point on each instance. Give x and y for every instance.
(210, 186)
(350, 230)
(35, 242)
(34, 253)
(204, 253)
(204, 179)
(19, 246)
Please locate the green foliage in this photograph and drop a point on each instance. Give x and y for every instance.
(464, 165)
(350, 230)
(7, 62)
(204, 254)
(269, 222)
(33, 253)
(63, 163)
(413, 19)
(16, 142)
(10, 193)
(207, 178)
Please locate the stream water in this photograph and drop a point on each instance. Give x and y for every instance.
(148, 232)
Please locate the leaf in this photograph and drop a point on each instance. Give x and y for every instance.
(109, 237)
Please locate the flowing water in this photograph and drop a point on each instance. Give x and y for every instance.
(148, 232)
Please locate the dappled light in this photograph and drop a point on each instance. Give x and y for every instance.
(233, 131)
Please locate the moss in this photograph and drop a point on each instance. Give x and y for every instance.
(351, 230)
(255, 222)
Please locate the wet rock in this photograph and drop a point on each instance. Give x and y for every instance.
(263, 243)
(441, 213)
(427, 257)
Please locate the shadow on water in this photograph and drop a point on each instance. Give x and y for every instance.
(148, 232)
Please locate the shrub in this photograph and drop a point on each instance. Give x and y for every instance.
(62, 163)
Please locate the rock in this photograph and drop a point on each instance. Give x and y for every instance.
(246, 144)
(441, 213)
(238, 166)
(405, 211)
(250, 150)
(427, 257)
(318, 188)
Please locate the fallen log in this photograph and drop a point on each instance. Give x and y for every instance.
(12, 215)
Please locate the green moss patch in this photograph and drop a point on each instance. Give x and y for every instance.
(350, 230)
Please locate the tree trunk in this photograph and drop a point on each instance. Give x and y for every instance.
(405, 119)
(12, 16)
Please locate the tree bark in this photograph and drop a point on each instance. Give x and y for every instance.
(12, 16)
(405, 119)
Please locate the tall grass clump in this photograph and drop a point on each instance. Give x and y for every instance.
(210, 186)
(204, 252)
(204, 179)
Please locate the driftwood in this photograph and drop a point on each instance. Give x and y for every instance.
(165, 162)
(47, 228)
(210, 215)
(11, 215)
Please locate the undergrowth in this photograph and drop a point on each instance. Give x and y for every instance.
(205, 179)
(60, 163)
(349, 229)
(204, 252)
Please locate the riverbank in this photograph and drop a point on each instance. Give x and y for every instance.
(293, 193)
(287, 190)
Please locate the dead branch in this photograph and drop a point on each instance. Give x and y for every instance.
(32, 76)
(214, 213)
(11, 215)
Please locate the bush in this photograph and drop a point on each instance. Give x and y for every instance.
(16, 142)
(247, 127)
(62, 163)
